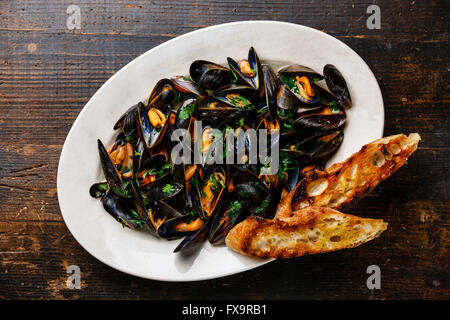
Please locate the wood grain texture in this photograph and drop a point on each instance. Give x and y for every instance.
(48, 73)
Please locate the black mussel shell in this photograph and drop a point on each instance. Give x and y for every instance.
(120, 208)
(321, 119)
(127, 122)
(186, 85)
(337, 85)
(191, 243)
(299, 70)
(286, 101)
(231, 212)
(164, 191)
(317, 146)
(271, 86)
(248, 187)
(287, 76)
(216, 190)
(162, 95)
(186, 114)
(219, 112)
(209, 75)
(168, 228)
(98, 190)
(150, 135)
(109, 170)
(255, 65)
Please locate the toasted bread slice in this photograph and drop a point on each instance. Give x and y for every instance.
(314, 230)
(343, 184)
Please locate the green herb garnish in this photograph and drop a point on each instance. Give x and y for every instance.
(234, 210)
(263, 206)
(234, 78)
(286, 164)
(168, 188)
(137, 219)
(186, 111)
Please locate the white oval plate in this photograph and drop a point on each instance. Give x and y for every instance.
(139, 253)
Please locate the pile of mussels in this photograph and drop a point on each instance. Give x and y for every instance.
(145, 190)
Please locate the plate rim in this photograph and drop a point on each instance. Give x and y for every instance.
(134, 61)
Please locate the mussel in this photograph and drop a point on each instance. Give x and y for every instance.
(209, 75)
(162, 94)
(317, 146)
(127, 122)
(152, 125)
(337, 85)
(323, 118)
(248, 71)
(299, 80)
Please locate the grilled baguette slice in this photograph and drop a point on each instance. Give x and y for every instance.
(314, 230)
(343, 184)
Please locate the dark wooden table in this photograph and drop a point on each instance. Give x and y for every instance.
(48, 73)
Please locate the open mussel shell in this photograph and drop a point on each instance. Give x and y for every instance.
(187, 86)
(248, 72)
(288, 76)
(299, 70)
(127, 122)
(219, 112)
(209, 192)
(231, 212)
(286, 102)
(155, 168)
(320, 119)
(120, 208)
(337, 85)
(98, 190)
(238, 89)
(248, 187)
(149, 134)
(209, 75)
(192, 242)
(180, 226)
(109, 170)
(271, 87)
(316, 147)
(186, 114)
(163, 94)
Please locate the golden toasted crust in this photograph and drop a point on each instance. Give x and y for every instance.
(343, 184)
(314, 230)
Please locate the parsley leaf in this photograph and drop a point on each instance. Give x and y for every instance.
(168, 188)
(186, 111)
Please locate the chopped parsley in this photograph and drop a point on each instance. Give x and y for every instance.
(234, 210)
(234, 78)
(154, 171)
(168, 188)
(186, 111)
(137, 219)
(263, 206)
(240, 101)
(286, 164)
(102, 186)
